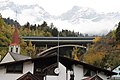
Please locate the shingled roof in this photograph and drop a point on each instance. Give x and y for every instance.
(18, 57)
(65, 61)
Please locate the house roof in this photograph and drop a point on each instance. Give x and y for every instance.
(18, 57)
(115, 67)
(65, 61)
(28, 76)
(96, 77)
(15, 58)
(68, 61)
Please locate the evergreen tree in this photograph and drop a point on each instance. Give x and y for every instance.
(44, 24)
(55, 32)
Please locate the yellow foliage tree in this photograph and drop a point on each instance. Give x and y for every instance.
(96, 39)
(74, 53)
(91, 56)
(30, 50)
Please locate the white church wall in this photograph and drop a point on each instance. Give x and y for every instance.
(51, 77)
(8, 76)
(61, 75)
(2, 70)
(68, 75)
(27, 67)
(78, 72)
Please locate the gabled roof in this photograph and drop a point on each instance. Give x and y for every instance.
(115, 67)
(68, 61)
(28, 76)
(12, 57)
(65, 61)
(96, 77)
(18, 57)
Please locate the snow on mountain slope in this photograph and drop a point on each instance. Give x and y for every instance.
(25, 13)
(81, 14)
(85, 20)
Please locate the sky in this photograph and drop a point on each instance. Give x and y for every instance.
(57, 7)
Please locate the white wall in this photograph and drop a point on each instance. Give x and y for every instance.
(68, 75)
(103, 76)
(78, 72)
(51, 77)
(117, 70)
(7, 58)
(14, 49)
(27, 67)
(61, 75)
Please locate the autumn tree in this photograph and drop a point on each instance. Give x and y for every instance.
(30, 50)
(96, 39)
(74, 53)
(118, 33)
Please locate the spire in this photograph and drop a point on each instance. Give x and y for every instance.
(15, 38)
(14, 44)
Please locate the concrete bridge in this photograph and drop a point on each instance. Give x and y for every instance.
(63, 50)
(65, 45)
(54, 41)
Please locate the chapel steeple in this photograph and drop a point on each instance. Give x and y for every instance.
(14, 44)
(15, 38)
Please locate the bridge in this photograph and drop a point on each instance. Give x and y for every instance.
(63, 50)
(54, 41)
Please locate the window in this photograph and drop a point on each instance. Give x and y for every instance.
(119, 69)
(14, 68)
(16, 49)
(11, 49)
(88, 72)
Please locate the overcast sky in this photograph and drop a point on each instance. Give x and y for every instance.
(56, 7)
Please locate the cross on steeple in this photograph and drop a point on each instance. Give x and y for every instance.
(14, 47)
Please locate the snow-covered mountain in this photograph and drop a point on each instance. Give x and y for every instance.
(82, 14)
(82, 19)
(78, 13)
(88, 20)
(25, 13)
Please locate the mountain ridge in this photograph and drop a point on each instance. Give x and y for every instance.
(77, 18)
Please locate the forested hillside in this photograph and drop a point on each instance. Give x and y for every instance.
(42, 29)
(7, 29)
(105, 52)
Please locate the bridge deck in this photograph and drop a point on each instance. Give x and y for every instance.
(62, 40)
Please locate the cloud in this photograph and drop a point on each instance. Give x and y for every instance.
(57, 7)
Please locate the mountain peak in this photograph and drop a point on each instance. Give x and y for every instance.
(75, 8)
(78, 18)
